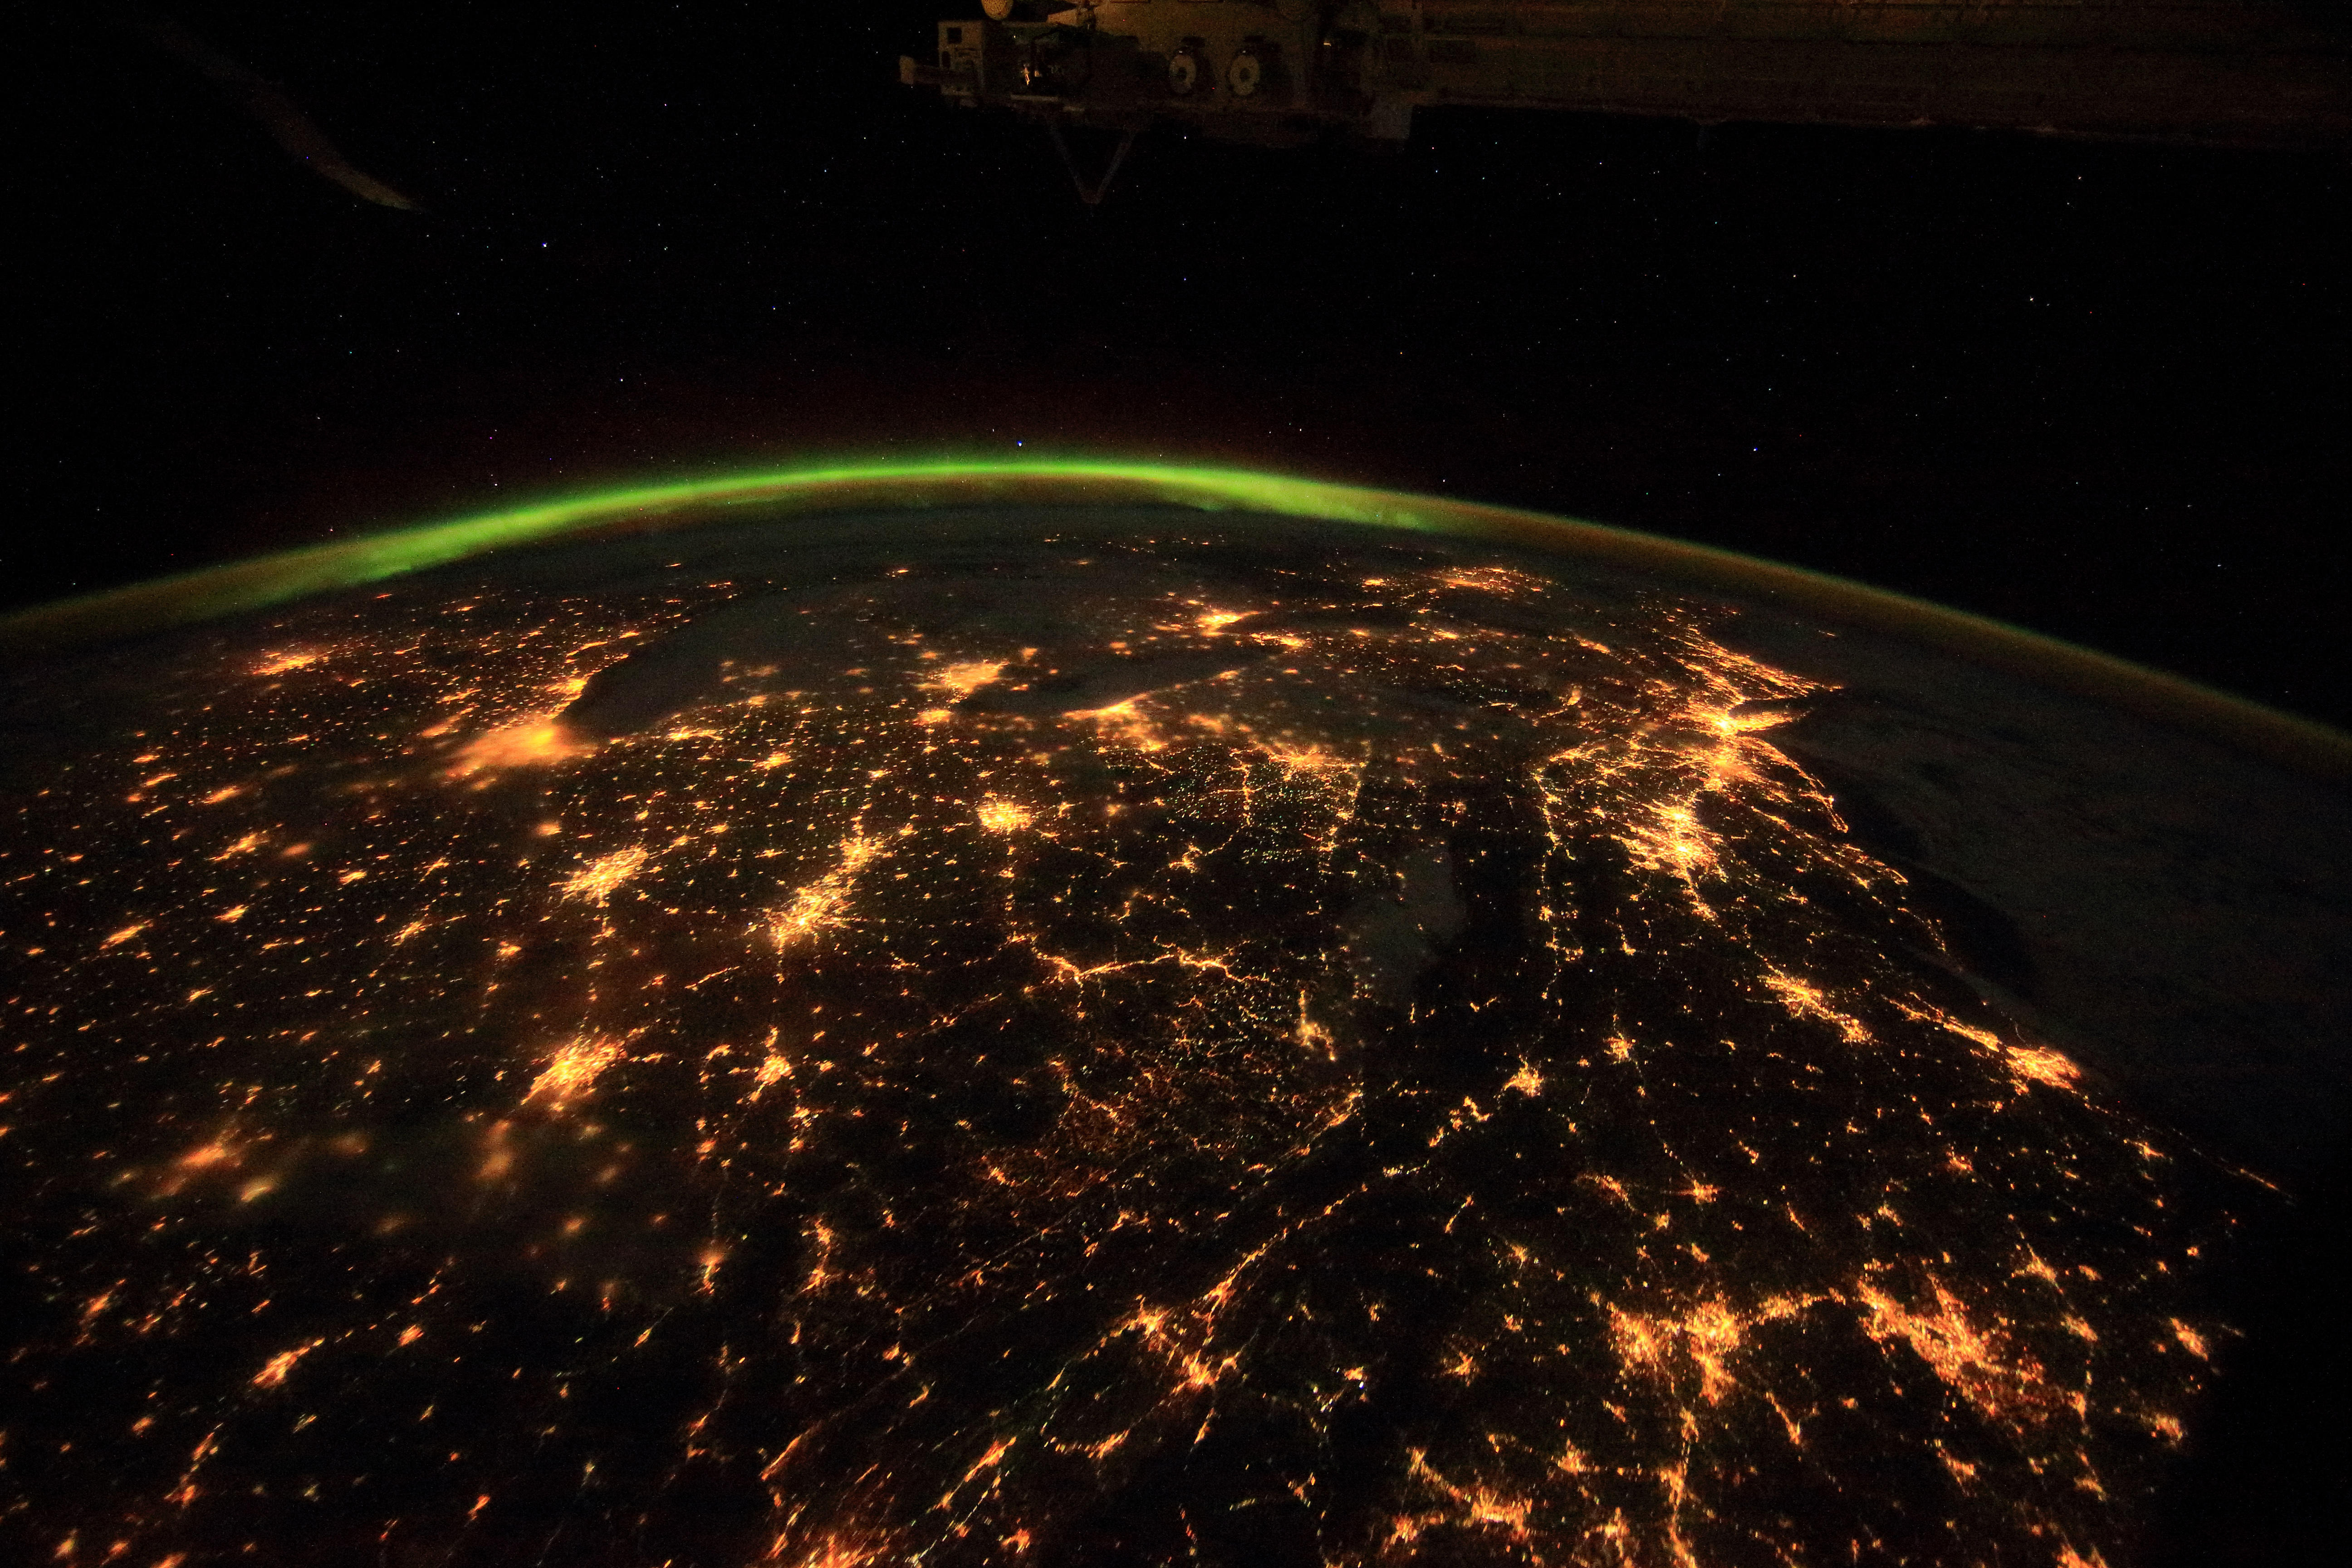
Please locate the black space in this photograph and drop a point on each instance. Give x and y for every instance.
(2098, 390)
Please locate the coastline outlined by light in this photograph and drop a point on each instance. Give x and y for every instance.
(851, 488)
(856, 1055)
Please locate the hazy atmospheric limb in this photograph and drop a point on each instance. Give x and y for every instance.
(267, 102)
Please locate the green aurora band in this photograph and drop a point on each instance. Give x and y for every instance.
(264, 581)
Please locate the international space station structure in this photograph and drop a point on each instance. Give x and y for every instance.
(2228, 72)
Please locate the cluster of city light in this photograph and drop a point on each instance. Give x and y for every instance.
(1450, 1086)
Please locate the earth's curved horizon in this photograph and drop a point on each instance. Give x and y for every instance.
(850, 488)
(1091, 1014)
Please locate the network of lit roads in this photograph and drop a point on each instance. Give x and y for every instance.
(1094, 1058)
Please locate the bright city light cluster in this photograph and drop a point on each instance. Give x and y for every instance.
(1124, 1050)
